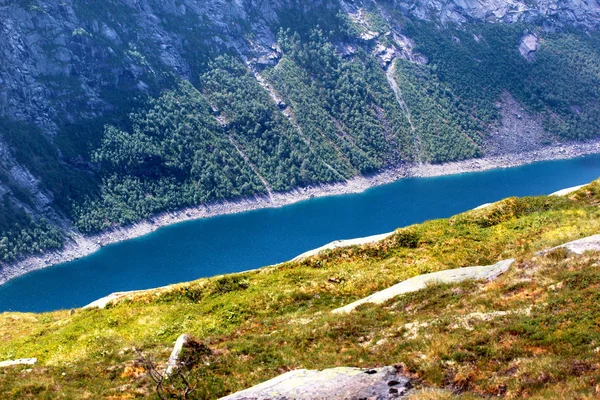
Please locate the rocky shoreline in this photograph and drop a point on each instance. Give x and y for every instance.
(79, 246)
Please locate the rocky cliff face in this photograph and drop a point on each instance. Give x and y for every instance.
(552, 14)
(58, 58)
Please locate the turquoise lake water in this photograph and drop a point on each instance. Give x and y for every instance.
(239, 242)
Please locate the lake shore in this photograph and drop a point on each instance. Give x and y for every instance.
(78, 246)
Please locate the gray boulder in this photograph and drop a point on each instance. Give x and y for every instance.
(330, 384)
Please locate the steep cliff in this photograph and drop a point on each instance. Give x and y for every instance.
(58, 57)
(551, 14)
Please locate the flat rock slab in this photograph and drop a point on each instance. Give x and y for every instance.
(489, 273)
(590, 243)
(20, 361)
(344, 243)
(114, 297)
(330, 384)
(564, 192)
(103, 302)
(481, 207)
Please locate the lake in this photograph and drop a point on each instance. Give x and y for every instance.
(239, 242)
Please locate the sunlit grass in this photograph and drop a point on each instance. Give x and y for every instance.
(535, 332)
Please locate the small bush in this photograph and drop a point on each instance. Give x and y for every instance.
(228, 284)
(558, 254)
(408, 239)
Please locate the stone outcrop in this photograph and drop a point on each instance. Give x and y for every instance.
(330, 384)
(344, 243)
(529, 46)
(551, 14)
(20, 361)
(58, 57)
(590, 243)
(19, 176)
(420, 282)
(174, 358)
(116, 297)
(567, 191)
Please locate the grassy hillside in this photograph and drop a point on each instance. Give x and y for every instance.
(533, 333)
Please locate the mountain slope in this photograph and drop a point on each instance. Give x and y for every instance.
(531, 333)
(113, 113)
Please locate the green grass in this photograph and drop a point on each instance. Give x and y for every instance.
(534, 332)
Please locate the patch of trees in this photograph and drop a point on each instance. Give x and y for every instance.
(344, 94)
(35, 151)
(445, 130)
(351, 101)
(478, 62)
(20, 234)
(176, 155)
(269, 140)
(564, 83)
